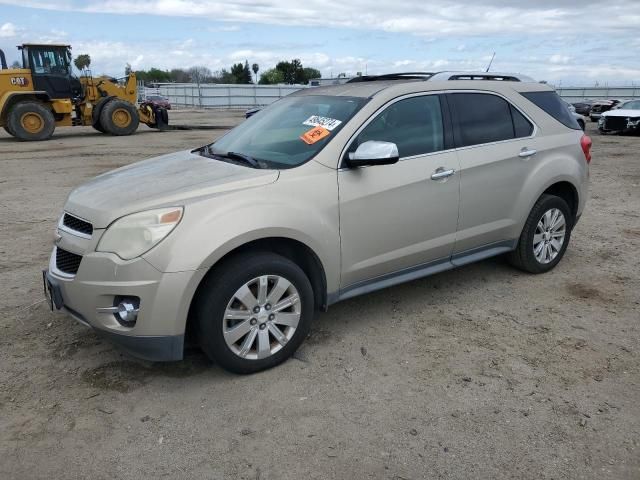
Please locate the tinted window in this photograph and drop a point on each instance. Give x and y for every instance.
(482, 118)
(551, 103)
(521, 126)
(413, 124)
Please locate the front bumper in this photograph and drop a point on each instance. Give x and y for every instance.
(158, 333)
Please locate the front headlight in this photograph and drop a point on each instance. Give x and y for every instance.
(131, 236)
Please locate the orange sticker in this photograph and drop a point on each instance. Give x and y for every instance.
(314, 135)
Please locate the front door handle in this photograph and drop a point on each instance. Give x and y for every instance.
(441, 173)
(527, 152)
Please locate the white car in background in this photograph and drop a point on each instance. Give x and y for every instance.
(623, 119)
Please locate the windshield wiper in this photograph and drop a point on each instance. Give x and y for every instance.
(252, 162)
(244, 158)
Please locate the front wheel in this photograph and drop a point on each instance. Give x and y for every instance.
(119, 117)
(254, 311)
(545, 236)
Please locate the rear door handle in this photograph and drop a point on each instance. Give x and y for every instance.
(527, 152)
(441, 173)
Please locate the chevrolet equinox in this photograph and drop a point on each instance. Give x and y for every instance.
(326, 194)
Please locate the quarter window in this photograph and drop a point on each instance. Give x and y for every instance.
(413, 124)
(485, 118)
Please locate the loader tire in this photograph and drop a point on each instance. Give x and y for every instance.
(29, 120)
(6, 129)
(119, 117)
(95, 115)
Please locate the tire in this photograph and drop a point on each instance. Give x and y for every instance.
(524, 257)
(8, 130)
(218, 294)
(30, 120)
(95, 115)
(119, 117)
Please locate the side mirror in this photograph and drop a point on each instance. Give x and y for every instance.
(374, 153)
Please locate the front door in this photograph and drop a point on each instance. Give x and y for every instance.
(395, 218)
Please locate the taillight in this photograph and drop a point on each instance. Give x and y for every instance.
(585, 143)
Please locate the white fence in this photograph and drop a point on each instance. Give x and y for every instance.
(192, 95)
(575, 94)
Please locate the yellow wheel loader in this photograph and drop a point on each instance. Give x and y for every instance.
(45, 94)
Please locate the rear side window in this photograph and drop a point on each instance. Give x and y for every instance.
(485, 118)
(551, 103)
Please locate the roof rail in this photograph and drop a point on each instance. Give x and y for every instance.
(392, 76)
(493, 76)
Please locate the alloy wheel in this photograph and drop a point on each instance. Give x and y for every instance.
(549, 236)
(261, 317)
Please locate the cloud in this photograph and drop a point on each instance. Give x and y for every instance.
(433, 18)
(559, 59)
(8, 30)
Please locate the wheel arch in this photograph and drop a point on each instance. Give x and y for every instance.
(295, 250)
(568, 192)
(11, 98)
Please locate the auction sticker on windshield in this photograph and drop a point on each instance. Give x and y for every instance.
(314, 135)
(326, 122)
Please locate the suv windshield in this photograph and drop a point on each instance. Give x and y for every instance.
(290, 132)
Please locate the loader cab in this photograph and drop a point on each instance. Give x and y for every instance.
(50, 67)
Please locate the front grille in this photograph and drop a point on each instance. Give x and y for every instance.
(615, 123)
(67, 262)
(74, 223)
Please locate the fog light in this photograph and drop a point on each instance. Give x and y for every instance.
(125, 310)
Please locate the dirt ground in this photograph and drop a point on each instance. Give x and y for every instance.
(481, 372)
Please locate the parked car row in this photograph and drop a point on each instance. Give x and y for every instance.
(624, 118)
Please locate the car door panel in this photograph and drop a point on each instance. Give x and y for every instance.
(496, 150)
(394, 217)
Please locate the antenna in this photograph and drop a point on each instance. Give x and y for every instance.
(490, 62)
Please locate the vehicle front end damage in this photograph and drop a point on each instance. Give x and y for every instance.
(619, 122)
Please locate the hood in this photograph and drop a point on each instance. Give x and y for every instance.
(622, 113)
(169, 180)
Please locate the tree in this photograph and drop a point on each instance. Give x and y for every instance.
(291, 71)
(199, 74)
(246, 74)
(127, 69)
(16, 64)
(272, 76)
(255, 67)
(179, 75)
(82, 61)
(310, 73)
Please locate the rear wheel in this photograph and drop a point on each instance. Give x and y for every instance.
(30, 120)
(119, 117)
(545, 236)
(254, 311)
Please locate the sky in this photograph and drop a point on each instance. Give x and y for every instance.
(566, 42)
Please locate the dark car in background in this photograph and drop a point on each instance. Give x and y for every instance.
(583, 107)
(601, 106)
(159, 101)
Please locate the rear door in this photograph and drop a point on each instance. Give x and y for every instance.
(496, 144)
(395, 217)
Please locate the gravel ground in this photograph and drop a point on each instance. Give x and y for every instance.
(481, 372)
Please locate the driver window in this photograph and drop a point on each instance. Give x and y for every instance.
(413, 124)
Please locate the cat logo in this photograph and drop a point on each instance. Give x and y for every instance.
(19, 81)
